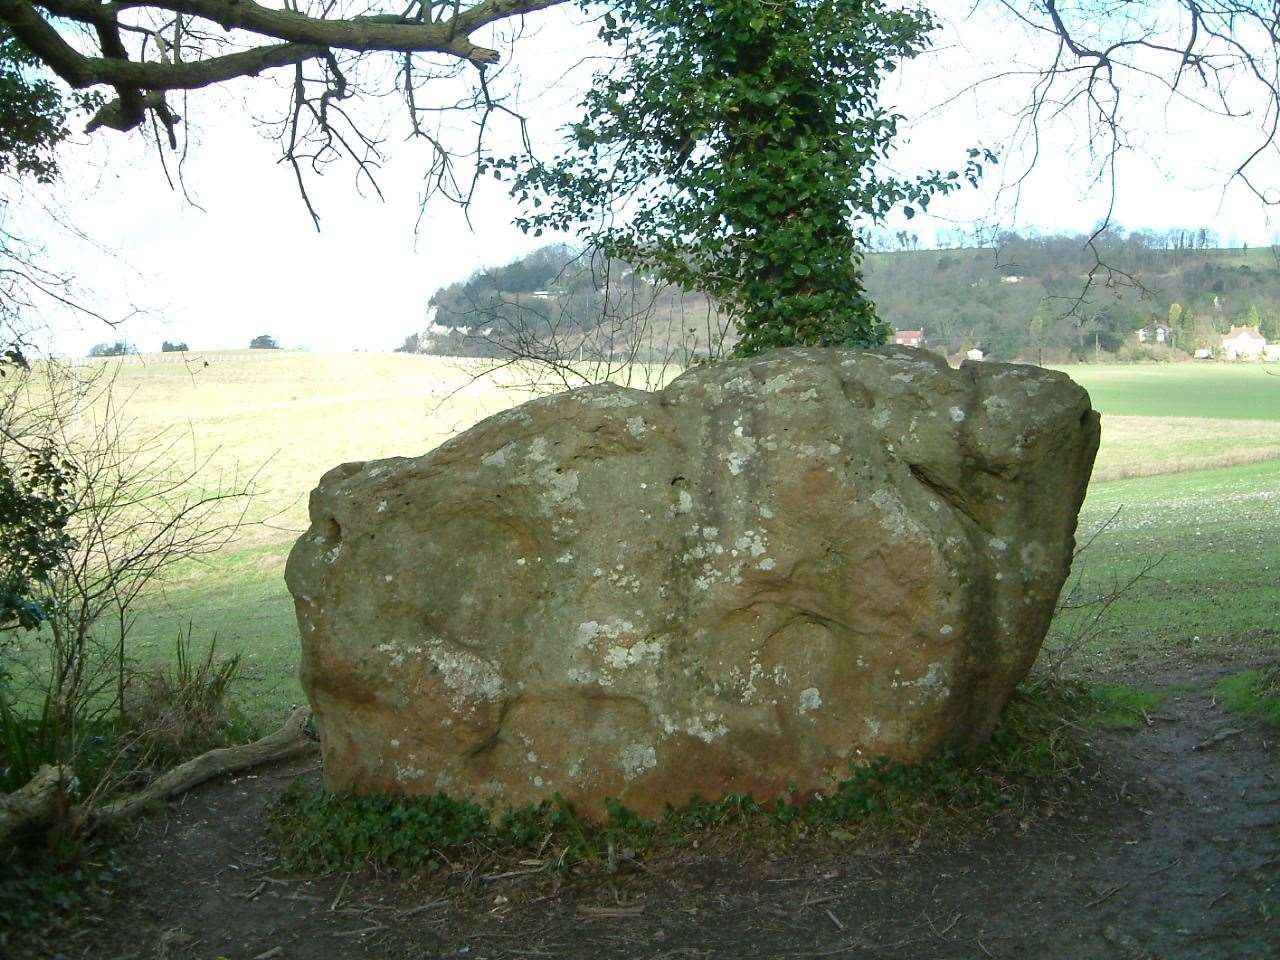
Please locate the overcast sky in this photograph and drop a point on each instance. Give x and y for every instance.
(244, 258)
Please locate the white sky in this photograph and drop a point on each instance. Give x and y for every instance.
(249, 261)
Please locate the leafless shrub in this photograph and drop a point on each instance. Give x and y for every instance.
(600, 322)
(183, 708)
(1080, 616)
(139, 508)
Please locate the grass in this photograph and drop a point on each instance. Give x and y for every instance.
(1149, 446)
(1124, 708)
(1254, 694)
(1217, 391)
(1214, 594)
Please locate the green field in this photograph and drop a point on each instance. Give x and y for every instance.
(1214, 391)
(292, 416)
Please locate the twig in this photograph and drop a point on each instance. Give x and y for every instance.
(1108, 895)
(362, 931)
(1217, 738)
(1167, 866)
(611, 911)
(341, 890)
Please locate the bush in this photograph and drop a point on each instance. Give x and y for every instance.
(185, 709)
(179, 347)
(264, 342)
(1150, 353)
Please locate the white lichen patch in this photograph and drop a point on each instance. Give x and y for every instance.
(810, 699)
(592, 631)
(407, 774)
(742, 447)
(707, 729)
(382, 506)
(946, 630)
(468, 676)
(751, 542)
(636, 758)
(621, 656)
(766, 563)
(332, 555)
(395, 655)
(609, 401)
(893, 517)
(637, 426)
(957, 415)
(498, 458)
(684, 502)
(932, 681)
(997, 406)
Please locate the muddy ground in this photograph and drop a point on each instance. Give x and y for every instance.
(1177, 855)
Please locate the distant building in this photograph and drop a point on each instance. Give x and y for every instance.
(974, 354)
(1011, 278)
(1157, 333)
(1243, 343)
(1271, 353)
(909, 338)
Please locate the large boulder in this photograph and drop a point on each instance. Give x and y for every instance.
(742, 583)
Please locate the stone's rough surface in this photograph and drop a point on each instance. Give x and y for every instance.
(739, 584)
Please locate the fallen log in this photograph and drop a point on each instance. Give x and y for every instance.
(289, 741)
(33, 803)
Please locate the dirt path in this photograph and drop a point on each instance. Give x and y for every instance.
(1180, 859)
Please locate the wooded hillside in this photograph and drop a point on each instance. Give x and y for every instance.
(1056, 297)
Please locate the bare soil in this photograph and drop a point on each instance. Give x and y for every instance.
(1176, 855)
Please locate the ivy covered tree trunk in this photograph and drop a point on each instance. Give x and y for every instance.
(737, 150)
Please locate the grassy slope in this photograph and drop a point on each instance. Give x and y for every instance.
(1214, 592)
(1168, 418)
(1218, 529)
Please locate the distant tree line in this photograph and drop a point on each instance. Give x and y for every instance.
(117, 348)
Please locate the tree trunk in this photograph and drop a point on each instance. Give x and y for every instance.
(289, 741)
(38, 801)
(34, 803)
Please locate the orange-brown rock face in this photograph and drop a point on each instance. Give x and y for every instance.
(742, 583)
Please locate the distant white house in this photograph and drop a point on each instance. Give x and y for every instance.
(974, 354)
(1159, 333)
(1011, 278)
(909, 338)
(1243, 343)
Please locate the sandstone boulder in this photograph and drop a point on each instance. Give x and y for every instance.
(742, 583)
